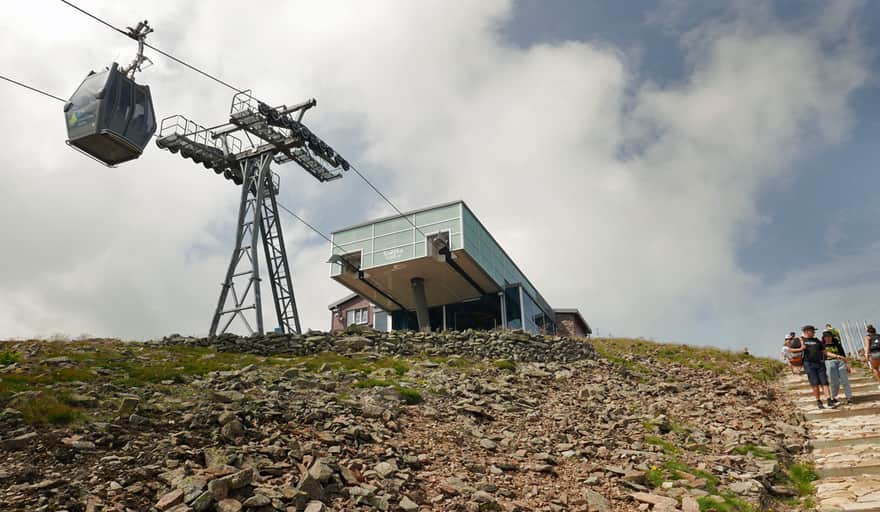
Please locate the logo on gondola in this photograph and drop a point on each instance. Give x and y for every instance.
(78, 118)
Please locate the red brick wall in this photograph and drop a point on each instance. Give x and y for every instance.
(337, 317)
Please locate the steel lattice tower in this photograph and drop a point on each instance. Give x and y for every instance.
(274, 134)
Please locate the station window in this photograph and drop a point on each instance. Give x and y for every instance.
(357, 316)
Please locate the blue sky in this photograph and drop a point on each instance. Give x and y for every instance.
(828, 207)
(702, 171)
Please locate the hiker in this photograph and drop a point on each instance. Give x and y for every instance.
(837, 366)
(795, 358)
(872, 351)
(834, 332)
(813, 353)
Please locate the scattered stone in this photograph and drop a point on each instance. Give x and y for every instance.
(384, 469)
(228, 505)
(596, 502)
(128, 405)
(170, 499)
(563, 431)
(257, 501)
(17, 443)
(315, 506)
(408, 505)
(81, 400)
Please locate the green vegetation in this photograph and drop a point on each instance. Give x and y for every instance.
(628, 352)
(9, 357)
(409, 395)
(41, 408)
(654, 477)
(802, 476)
(756, 451)
(675, 468)
(137, 365)
(668, 447)
(505, 364)
(725, 502)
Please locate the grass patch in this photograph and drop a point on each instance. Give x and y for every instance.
(42, 408)
(409, 395)
(42, 377)
(725, 502)
(617, 350)
(675, 467)
(9, 357)
(756, 451)
(505, 364)
(801, 477)
(667, 447)
(128, 364)
(175, 363)
(654, 477)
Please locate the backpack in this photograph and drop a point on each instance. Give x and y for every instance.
(874, 343)
(796, 359)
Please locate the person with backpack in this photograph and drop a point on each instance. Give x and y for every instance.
(837, 366)
(834, 331)
(872, 351)
(813, 352)
(795, 358)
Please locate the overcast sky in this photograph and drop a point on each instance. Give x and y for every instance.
(675, 171)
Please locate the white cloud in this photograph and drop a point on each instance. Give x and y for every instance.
(442, 108)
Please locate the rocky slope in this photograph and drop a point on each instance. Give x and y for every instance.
(378, 421)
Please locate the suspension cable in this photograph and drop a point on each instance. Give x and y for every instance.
(44, 93)
(150, 46)
(236, 89)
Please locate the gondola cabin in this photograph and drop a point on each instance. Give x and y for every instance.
(110, 117)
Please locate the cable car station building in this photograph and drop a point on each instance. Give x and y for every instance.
(449, 274)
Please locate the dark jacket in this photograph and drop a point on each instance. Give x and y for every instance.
(835, 347)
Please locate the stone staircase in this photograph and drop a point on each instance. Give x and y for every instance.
(846, 444)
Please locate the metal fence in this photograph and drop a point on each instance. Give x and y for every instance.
(852, 335)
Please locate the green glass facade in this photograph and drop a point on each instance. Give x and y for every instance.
(395, 240)
(514, 303)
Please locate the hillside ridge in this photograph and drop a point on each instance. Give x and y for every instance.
(364, 420)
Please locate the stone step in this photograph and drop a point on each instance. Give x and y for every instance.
(862, 389)
(855, 471)
(846, 441)
(845, 428)
(844, 412)
(873, 395)
(854, 507)
(803, 383)
(848, 493)
(853, 460)
(845, 446)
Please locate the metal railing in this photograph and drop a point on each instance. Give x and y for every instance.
(179, 125)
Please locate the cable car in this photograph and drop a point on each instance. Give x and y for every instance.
(110, 117)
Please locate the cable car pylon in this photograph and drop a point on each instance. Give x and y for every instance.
(275, 135)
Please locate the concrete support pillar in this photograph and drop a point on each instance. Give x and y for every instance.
(421, 301)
